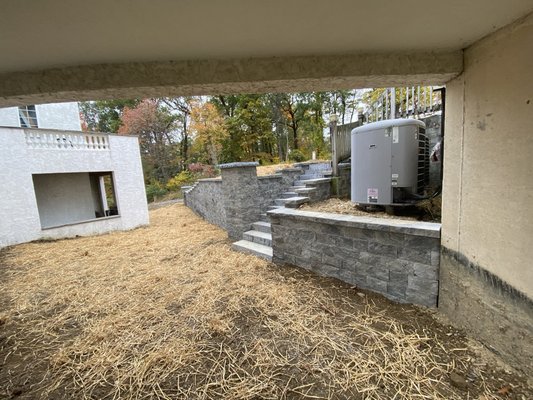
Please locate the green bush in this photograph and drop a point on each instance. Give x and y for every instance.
(183, 178)
(154, 190)
(297, 156)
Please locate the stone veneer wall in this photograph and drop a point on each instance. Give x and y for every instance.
(345, 179)
(270, 188)
(206, 201)
(240, 194)
(399, 259)
(239, 198)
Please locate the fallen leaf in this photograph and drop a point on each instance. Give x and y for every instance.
(505, 390)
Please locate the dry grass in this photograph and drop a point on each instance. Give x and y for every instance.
(169, 311)
(271, 169)
(345, 206)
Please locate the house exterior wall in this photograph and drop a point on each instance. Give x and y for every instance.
(487, 218)
(9, 116)
(19, 217)
(64, 116)
(63, 198)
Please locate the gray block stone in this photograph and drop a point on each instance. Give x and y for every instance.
(382, 249)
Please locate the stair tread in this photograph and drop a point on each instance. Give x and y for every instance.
(253, 248)
(295, 198)
(262, 226)
(263, 235)
(263, 223)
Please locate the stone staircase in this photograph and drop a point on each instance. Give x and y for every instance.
(258, 240)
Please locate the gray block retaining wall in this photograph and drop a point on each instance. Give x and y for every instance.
(205, 199)
(239, 197)
(399, 259)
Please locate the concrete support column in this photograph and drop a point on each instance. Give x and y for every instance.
(240, 191)
(344, 182)
(103, 196)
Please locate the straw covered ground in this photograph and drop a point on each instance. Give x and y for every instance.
(169, 311)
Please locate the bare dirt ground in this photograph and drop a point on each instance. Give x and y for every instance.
(169, 311)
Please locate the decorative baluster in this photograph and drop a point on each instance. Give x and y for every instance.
(413, 100)
(418, 101)
(386, 103)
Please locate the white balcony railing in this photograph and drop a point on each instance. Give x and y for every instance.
(42, 139)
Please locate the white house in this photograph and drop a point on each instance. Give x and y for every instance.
(61, 182)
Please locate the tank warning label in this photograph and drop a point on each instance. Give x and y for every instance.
(394, 180)
(372, 195)
(395, 135)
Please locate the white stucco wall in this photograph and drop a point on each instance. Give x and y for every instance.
(63, 198)
(488, 182)
(65, 116)
(9, 116)
(19, 217)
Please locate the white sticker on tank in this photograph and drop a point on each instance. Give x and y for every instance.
(395, 135)
(394, 176)
(372, 195)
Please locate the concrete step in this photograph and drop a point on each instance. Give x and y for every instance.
(315, 181)
(273, 207)
(288, 194)
(262, 226)
(299, 183)
(305, 190)
(263, 238)
(256, 249)
(293, 202)
(265, 218)
(309, 176)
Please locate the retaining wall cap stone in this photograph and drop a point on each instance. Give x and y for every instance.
(312, 162)
(219, 179)
(415, 228)
(238, 165)
(291, 170)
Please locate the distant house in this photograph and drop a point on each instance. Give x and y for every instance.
(61, 182)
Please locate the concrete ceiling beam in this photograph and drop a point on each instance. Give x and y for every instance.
(251, 75)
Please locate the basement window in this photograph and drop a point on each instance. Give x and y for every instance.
(73, 198)
(28, 117)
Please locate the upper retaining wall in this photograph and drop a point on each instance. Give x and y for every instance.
(399, 259)
(239, 197)
(206, 201)
(270, 188)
